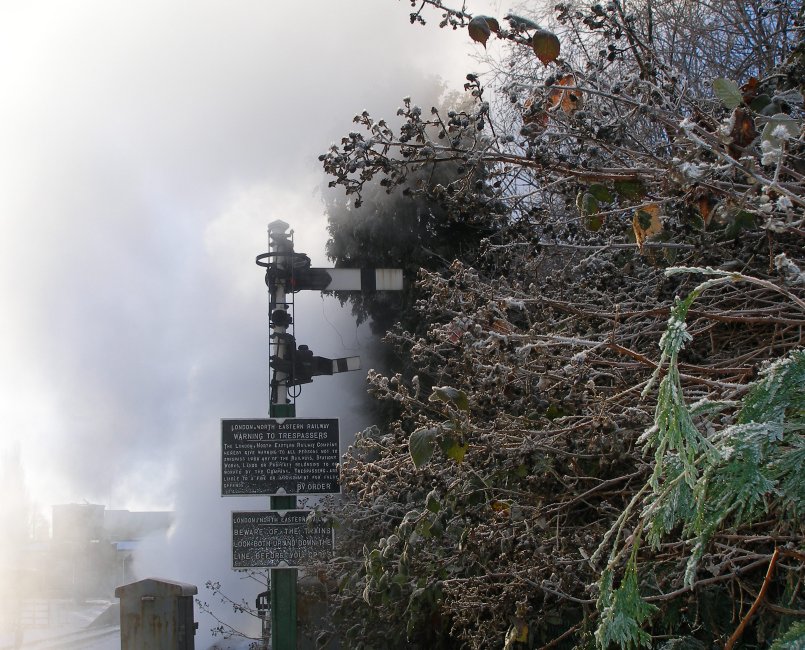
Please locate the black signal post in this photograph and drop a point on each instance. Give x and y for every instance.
(292, 365)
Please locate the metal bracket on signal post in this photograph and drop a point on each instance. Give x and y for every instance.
(300, 365)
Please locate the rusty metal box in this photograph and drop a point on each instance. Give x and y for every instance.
(157, 614)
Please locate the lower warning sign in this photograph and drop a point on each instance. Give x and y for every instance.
(284, 538)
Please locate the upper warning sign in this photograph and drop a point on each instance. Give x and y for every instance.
(290, 456)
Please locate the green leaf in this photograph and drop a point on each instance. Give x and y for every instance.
(371, 594)
(793, 639)
(777, 392)
(555, 411)
(728, 92)
(683, 643)
(450, 395)
(630, 189)
(421, 445)
(454, 449)
(593, 222)
(586, 203)
(787, 125)
(600, 192)
(623, 612)
(787, 470)
(432, 502)
(760, 102)
(644, 219)
(739, 222)
(710, 407)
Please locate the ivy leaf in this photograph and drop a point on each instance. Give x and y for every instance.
(371, 594)
(546, 46)
(760, 102)
(450, 394)
(425, 528)
(728, 92)
(421, 445)
(587, 205)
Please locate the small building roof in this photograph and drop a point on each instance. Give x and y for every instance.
(158, 587)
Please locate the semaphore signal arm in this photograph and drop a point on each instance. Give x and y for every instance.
(288, 272)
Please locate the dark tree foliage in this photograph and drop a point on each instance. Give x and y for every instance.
(409, 223)
(598, 435)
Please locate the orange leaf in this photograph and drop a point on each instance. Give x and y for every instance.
(743, 131)
(704, 204)
(750, 90)
(567, 100)
(646, 222)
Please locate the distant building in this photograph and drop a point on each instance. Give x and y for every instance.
(91, 550)
(89, 553)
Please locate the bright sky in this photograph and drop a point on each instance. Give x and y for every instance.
(144, 146)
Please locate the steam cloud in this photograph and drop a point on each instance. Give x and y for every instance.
(145, 148)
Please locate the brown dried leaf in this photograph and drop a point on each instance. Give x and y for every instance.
(743, 132)
(479, 30)
(501, 327)
(546, 46)
(533, 113)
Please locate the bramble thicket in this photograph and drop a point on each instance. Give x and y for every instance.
(593, 433)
